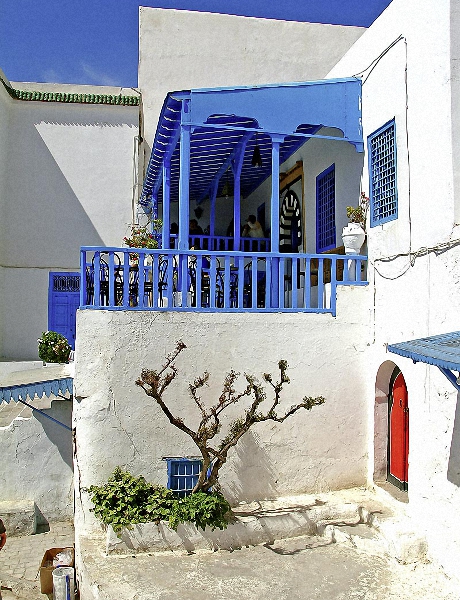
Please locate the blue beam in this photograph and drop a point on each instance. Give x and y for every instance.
(451, 377)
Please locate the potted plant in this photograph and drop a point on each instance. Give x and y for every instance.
(354, 234)
(53, 347)
(144, 236)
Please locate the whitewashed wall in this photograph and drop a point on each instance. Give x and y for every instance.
(418, 297)
(181, 49)
(37, 463)
(68, 182)
(117, 424)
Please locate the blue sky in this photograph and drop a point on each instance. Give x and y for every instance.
(96, 41)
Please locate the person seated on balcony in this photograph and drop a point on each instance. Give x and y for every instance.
(253, 228)
(195, 229)
(174, 231)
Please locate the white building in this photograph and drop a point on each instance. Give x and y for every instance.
(405, 158)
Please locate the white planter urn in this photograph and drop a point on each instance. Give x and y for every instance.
(353, 236)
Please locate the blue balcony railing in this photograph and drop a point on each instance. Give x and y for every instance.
(206, 281)
(219, 243)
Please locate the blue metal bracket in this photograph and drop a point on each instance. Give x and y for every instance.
(45, 415)
(451, 377)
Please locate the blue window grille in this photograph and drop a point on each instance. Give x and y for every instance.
(382, 174)
(183, 474)
(325, 210)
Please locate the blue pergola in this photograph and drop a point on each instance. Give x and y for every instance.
(203, 133)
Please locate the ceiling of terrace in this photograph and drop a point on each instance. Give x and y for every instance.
(220, 137)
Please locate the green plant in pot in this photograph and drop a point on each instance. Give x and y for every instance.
(358, 214)
(144, 236)
(53, 347)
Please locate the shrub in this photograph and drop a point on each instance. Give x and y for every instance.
(125, 500)
(203, 509)
(53, 347)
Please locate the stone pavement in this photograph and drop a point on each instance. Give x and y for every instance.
(357, 554)
(21, 557)
(303, 568)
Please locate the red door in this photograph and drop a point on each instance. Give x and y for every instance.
(399, 434)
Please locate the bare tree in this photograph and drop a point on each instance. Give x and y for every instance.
(155, 383)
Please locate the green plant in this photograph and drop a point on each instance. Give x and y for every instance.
(53, 347)
(142, 237)
(204, 509)
(125, 500)
(357, 214)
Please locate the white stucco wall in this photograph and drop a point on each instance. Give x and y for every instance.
(117, 424)
(418, 295)
(455, 105)
(181, 49)
(37, 463)
(68, 182)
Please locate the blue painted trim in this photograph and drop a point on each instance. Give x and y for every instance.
(40, 388)
(376, 221)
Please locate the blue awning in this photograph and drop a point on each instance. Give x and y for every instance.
(225, 122)
(20, 392)
(442, 351)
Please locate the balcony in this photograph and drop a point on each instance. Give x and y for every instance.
(211, 281)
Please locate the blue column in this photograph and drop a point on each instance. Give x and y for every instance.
(165, 239)
(237, 166)
(236, 212)
(184, 178)
(212, 215)
(275, 198)
(277, 285)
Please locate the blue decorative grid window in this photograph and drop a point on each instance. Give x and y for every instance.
(382, 174)
(183, 474)
(325, 210)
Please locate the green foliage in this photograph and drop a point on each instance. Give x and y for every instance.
(53, 347)
(142, 236)
(357, 214)
(203, 509)
(125, 500)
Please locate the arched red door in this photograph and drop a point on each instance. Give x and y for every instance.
(398, 452)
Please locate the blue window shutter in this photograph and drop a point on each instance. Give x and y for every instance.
(183, 474)
(325, 210)
(382, 174)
